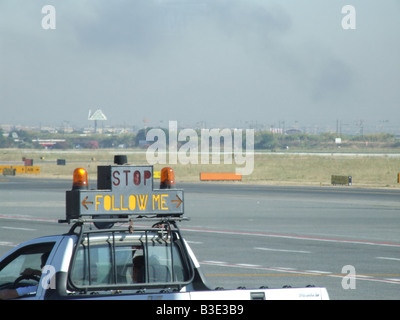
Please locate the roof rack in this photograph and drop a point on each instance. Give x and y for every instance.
(107, 224)
(126, 220)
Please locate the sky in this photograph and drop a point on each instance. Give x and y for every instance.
(214, 63)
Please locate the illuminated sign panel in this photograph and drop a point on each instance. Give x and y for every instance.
(124, 190)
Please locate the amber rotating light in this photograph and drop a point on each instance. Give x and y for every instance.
(167, 180)
(80, 179)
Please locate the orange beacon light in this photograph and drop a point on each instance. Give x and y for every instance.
(167, 180)
(80, 179)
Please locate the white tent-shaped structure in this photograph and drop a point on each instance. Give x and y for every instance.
(98, 115)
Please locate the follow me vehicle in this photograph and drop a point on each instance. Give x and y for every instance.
(135, 251)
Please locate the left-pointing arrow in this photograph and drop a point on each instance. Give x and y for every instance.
(84, 202)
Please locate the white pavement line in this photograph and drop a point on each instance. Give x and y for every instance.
(277, 269)
(214, 262)
(247, 265)
(293, 237)
(388, 258)
(319, 272)
(394, 279)
(14, 228)
(367, 278)
(282, 250)
(7, 244)
(303, 273)
(27, 218)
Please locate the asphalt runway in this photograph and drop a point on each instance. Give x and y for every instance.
(342, 238)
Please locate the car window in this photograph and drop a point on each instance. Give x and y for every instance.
(29, 257)
(165, 262)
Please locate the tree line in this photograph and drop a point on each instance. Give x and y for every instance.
(263, 140)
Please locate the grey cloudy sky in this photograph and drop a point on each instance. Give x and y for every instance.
(222, 62)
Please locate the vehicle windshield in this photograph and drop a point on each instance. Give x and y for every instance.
(126, 260)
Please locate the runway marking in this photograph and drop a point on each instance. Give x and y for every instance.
(7, 244)
(282, 250)
(23, 229)
(240, 233)
(194, 242)
(362, 276)
(214, 262)
(395, 280)
(248, 265)
(388, 258)
(294, 237)
(27, 218)
(293, 272)
(319, 272)
(256, 267)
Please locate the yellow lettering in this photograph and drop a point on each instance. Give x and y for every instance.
(159, 202)
(122, 203)
(132, 202)
(142, 201)
(107, 203)
(164, 202)
(135, 201)
(97, 202)
(156, 198)
(113, 204)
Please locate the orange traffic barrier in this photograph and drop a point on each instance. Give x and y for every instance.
(221, 176)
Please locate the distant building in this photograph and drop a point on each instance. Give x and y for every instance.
(47, 143)
(293, 131)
